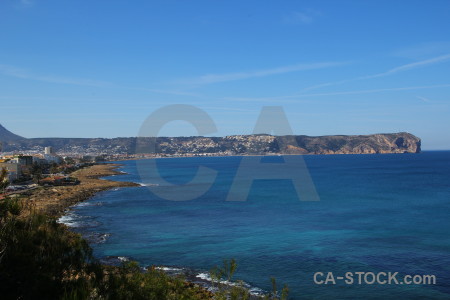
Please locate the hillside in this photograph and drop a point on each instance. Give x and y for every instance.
(6, 135)
(402, 142)
(230, 145)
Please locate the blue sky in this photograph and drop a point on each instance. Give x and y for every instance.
(99, 68)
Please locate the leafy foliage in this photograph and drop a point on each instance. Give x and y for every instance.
(3, 179)
(227, 290)
(41, 259)
(36, 172)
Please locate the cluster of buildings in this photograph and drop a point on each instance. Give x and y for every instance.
(214, 146)
(19, 165)
(75, 148)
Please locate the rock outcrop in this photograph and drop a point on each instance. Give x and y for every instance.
(402, 142)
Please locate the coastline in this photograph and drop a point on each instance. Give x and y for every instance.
(55, 200)
(266, 154)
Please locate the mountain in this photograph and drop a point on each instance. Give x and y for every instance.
(401, 142)
(6, 135)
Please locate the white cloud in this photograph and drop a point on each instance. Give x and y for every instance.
(357, 92)
(402, 68)
(230, 109)
(287, 99)
(301, 17)
(214, 78)
(423, 99)
(25, 74)
(423, 63)
(26, 3)
(326, 84)
(159, 91)
(424, 49)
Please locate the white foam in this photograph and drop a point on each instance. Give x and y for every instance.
(88, 203)
(64, 219)
(204, 276)
(69, 220)
(256, 291)
(207, 276)
(147, 184)
(98, 238)
(252, 290)
(168, 269)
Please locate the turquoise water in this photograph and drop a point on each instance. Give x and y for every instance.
(376, 213)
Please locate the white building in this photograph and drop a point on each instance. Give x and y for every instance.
(51, 158)
(48, 150)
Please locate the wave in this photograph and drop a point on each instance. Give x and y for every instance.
(96, 237)
(73, 220)
(201, 278)
(169, 269)
(88, 203)
(114, 260)
(147, 184)
(254, 291)
(118, 173)
(67, 219)
(204, 279)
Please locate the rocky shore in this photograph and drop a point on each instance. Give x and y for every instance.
(55, 200)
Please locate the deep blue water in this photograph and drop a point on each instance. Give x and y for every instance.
(376, 213)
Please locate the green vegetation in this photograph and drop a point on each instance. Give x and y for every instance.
(223, 276)
(3, 180)
(41, 259)
(36, 172)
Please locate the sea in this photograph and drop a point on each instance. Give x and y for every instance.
(378, 217)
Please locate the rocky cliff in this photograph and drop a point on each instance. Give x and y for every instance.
(353, 144)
